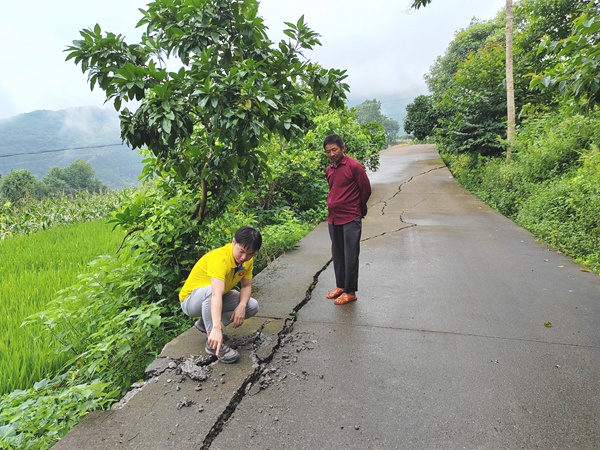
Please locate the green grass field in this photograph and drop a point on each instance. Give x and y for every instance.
(32, 269)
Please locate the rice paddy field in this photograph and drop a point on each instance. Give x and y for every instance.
(33, 268)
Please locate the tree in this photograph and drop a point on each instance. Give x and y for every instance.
(471, 113)
(78, 176)
(577, 59)
(539, 19)
(203, 121)
(421, 117)
(18, 185)
(234, 89)
(55, 183)
(370, 111)
(468, 40)
(510, 93)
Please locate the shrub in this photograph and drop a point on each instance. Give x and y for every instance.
(566, 212)
(551, 146)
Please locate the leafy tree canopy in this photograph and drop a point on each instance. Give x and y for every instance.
(576, 60)
(466, 41)
(78, 176)
(472, 112)
(421, 118)
(18, 185)
(370, 111)
(232, 88)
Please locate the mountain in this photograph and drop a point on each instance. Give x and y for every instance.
(43, 139)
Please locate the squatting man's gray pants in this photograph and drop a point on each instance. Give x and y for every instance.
(197, 304)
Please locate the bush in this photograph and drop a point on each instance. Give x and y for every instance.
(38, 417)
(566, 212)
(549, 147)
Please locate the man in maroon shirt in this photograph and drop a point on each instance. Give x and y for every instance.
(349, 191)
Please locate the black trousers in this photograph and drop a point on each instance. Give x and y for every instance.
(345, 249)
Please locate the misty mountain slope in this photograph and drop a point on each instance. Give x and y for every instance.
(40, 140)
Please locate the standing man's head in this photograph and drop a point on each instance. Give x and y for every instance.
(334, 148)
(246, 243)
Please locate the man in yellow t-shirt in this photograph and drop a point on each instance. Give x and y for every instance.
(208, 291)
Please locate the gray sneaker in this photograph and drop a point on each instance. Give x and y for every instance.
(200, 327)
(227, 355)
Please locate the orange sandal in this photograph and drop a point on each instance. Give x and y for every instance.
(345, 298)
(335, 293)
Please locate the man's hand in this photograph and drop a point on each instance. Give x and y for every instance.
(215, 339)
(238, 315)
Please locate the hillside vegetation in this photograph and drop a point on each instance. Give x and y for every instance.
(40, 140)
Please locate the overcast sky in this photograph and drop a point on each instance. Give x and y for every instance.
(385, 47)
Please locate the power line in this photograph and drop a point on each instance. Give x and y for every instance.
(62, 150)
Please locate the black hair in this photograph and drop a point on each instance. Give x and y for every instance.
(333, 139)
(248, 238)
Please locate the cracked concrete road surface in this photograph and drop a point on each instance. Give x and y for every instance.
(448, 346)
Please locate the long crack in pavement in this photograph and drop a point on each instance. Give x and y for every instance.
(401, 217)
(260, 365)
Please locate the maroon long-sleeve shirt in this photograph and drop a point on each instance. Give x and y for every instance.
(349, 191)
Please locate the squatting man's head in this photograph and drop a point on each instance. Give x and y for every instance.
(246, 243)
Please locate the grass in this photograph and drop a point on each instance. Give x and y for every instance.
(33, 268)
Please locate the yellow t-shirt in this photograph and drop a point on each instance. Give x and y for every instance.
(219, 264)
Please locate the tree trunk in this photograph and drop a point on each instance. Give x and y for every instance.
(510, 84)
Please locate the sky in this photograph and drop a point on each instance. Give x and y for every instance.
(385, 46)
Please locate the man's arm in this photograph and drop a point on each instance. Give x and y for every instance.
(215, 338)
(239, 313)
(364, 186)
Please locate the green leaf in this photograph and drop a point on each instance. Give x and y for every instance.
(166, 125)
(125, 347)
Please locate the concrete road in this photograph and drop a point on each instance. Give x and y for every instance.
(467, 334)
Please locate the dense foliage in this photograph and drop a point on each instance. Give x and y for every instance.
(467, 83)
(576, 62)
(470, 113)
